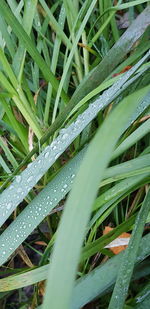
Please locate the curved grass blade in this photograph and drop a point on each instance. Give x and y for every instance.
(55, 25)
(32, 174)
(143, 298)
(127, 169)
(132, 138)
(25, 39)
(27, 22)
(86, 288)
(46, 200)
(71, 232)
(39, 208)
(101, 71)
(67, 65)
(129, 258)
(115, 55)
(98, 282)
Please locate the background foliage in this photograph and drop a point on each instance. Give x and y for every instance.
(74, 154)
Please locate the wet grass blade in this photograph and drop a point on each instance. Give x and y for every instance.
(86, 288)
(39, 208)
(108, 64)
(129, 258)
(71, 232)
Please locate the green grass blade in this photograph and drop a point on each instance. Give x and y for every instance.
(25, 39)
(86, 288)
(8, 153)
(30, 176)
(132, 139)
(55, 25)
(67, 65)
(115, 55)
(4, 165)
(56, 51)
(81, 122)
(19, 59)
(19, 129)
(98, 75)
(98, 282)
(128, 261)
(39, 208)
(8, 41)
(71, 232)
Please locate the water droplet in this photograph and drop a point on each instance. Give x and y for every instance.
(19, 190)
(29, 165)
(18, 178)
(65, 186)
(11, 187)
(46, 155)
(64, 136)
(56, 156)
(30, 179)
(9, 205)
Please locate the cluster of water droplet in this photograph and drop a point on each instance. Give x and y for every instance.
(39, 208)
(13, 195)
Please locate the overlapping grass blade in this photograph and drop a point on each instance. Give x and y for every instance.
(128, 261)
(115, 55)
(86, 288)
(39, 208)
(46, 200)
(71, 232)
(98, 282)
(125, 43)
(72, 52)
(32, 174)
(27, 22)
(25, 39)
(132, 138)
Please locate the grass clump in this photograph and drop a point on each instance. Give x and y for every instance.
(75, 153)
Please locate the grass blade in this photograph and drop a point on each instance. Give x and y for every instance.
(86, 288)
(101, 71)
(25, 39)
(71, 232)
(31, 176)
(128, 261)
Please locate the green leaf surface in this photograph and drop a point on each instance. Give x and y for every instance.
(128, 261)
(71, 233)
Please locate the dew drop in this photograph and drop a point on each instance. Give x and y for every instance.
(30, 179)
(19, 190)
(46, 155)
(65, 136)
(56, 156)
(18, 179)
(29, 165)
(9, 205)
(11, 187)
